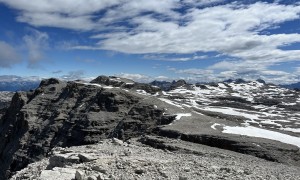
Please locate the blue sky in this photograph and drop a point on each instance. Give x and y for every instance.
(197, 40)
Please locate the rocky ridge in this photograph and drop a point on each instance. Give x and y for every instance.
(66, 114)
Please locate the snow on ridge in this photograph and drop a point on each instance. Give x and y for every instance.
(170, 102)
(231, 111)
(295, 130)
(180, 115)
(215, 125)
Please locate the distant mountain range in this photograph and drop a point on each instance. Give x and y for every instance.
(17, 83)
(292, 86)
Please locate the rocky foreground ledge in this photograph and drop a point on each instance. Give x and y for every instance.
(115, 159)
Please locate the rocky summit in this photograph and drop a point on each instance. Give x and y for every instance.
(115, 128)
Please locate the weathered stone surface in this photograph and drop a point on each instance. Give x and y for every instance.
(186, 161)
(58, 173)
(63, 114)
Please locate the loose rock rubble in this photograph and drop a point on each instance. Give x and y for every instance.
(109, 160)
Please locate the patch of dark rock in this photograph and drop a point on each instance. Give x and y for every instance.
(176, 96)
(240, 81)
(146, 87)
(232, 98)
(261, 148)
(47, 82)
(202, 86)
(237, 105)
(290, 107)
(141, 119)
(267, 101)
(163, 143)
(261, 81)
(164, 85)
(228, 81)
(176, 84)
(214, 84)
(238, 119)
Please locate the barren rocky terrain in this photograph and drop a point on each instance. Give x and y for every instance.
(228, 130)
(115, 159)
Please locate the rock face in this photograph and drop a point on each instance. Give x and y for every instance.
(5, 99)
(69, 114)
(167, 86)
(125, 83)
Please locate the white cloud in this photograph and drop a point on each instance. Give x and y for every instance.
(197, 72)
(143, 26)
(36, 42)
(8, 55)
(143, 78)
(135, 77)
(68, 7)
(73, 75)
(40, 19)
(170, 58)
(202, 2)
(158, 28)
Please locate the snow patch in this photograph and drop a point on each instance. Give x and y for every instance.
(296, 130)
(215, 125)
(170, 102)
(262, 133)
(180, 115)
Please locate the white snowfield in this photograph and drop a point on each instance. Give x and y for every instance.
(265, 116)
(262, 133)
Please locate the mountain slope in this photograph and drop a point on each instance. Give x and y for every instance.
(292, 86)
(64, 114)
(68, 114)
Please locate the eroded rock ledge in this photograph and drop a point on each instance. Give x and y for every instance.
(115, 159)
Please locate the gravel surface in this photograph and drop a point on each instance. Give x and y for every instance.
(115, 159)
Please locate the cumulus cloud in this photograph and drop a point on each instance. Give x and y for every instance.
(143, 78)
(156, 28)
(36, 42)
(135, 77)
(73, 75)
(172, 58)
(8, 55)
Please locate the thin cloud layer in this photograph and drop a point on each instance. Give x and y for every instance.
(36, 42)
(8, 55)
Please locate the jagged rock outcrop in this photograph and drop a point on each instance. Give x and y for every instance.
(164, 85)
(125, 83)
(5, 99)
(167, 86)
(68, 114)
